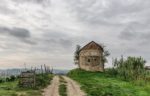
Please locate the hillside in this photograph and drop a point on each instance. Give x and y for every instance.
(100, 84)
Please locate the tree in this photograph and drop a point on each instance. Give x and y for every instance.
(76, 54)
(105, 55)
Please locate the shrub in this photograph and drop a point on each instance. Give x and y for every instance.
(1, 81)
(12, 78)
(42, 80)
(130, 69)
(111, 72)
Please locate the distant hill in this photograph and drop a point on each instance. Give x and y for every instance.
(9, 72)
(60, 71)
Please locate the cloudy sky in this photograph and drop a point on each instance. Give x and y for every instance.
(47, 31)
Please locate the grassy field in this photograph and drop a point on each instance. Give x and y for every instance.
(100, 84)
(12, 89)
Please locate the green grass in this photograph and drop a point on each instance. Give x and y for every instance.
(100, 84)
(12, 88)
(62, 87)
(62, 90)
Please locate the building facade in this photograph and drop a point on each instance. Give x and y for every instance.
(90, 57)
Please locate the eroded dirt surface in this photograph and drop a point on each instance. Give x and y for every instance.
(73, 88)
(52, 90)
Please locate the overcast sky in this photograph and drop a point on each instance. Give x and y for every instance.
(47, 31)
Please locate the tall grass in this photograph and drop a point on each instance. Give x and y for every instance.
(130, 69)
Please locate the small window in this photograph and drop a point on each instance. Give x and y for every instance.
(94, 59)
(88, 60)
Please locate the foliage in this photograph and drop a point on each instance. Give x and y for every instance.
(76, 54)
(104, 56)
(42, 80)
(11, 78)
(2, 80)
(130, 69)
(11, 88)
(101, 84)
(111, 72)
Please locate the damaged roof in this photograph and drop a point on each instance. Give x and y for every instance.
(92, 45)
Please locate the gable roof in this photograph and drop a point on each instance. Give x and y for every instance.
(92, 45)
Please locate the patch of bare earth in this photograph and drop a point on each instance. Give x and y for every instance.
(52, 90)
(73, 88)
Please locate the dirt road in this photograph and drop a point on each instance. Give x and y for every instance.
(73, 88)
(52, 90)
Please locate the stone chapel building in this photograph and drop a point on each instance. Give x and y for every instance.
(90, 57)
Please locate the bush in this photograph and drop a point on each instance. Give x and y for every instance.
(130, 69)
(1, 81)
(11, 78)
(42, 80)
(111, 72)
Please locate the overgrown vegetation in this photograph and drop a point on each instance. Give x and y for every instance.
(8, 79)
(106, 53)
(42, 80)
(11, 88)
(102, 84)
(62, 87)
(130, 69)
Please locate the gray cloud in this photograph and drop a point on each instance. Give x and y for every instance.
(130, 33)
(50, 28)
(6, 10)
(40, 2)
(16, 32)
(109, 12)
(20, 33)
(58, 40)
